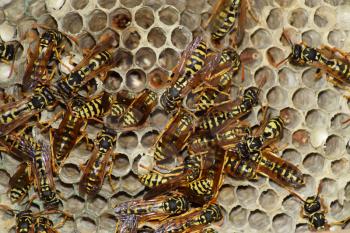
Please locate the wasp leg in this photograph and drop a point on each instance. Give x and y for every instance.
(250, 11)
(109, 174)
(215, 10)
(65, 218)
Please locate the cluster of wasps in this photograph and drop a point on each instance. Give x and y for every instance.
(196, 149)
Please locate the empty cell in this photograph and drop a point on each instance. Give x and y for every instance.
(298, 18)
(131, 38)
(336, 38)
(159, 118)
(338, 122)
(314, 163)
(316, 118)
(310, 80)
(226, 195)
(275, 18)
(247, 195)
(190, 20)
(168, 58)
(328, 100)
(292, 204)
(131, 184)
(268, 199)
(126, 59)
(74, 204)
(265, 74)
(180, 5)
(334, 146)
(107, 4)
(145, 58)
(86, 41)
(70, 173)
(261, 39)
(86, 225)
(276, 97)
(158, 78)
(238, 216)
(258, 220)
(282, 223)
(135, 79)
(121, 164)
(79, 4)
(120, 18)
(65, 189)
(303, 98)
(292, 155)
(98, 204)
(196, 6)
(149, 138)
(72, 22)
(340, 167)
(168, 15)
(128, 140)
(156, 37)
(130, 3)
(291, 117)
(97, 21)
(328, 186)
(180, 37)
(144, 17)
(275, 55)
(288, 78)
(113, 81)
(312, 38)
(324, 16)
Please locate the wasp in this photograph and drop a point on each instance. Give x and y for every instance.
(20, 182)
(202, 142)
(194, 220)
(8, 51)
(222, 115)
(96, 169)
(69, 132)
(156, 178)
(46, 52)
(218, 86)
(267, 163)
(228, 16)
(99, 60)
(136, 114)
(16, 114)
(29, 222)
(330, 60)
(314, 210)
(43, 173)
(174, 137)
(122, 102)
(158, 208)
(97, 106)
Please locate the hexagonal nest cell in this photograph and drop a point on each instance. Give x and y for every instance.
(149, 37)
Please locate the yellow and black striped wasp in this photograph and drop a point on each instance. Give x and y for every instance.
(217, 88)
(136, 114)
(43, 59)
(218, 117)
(100, 59)
(18, 113)
(159, 208)
(40, 153)
(29, 222)
(174, 137)
(228, 16)
(195, 220)
(122, 101)
(332, 61)
(314, 210)
(20, 182)
(99, 165)
(253, 148)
